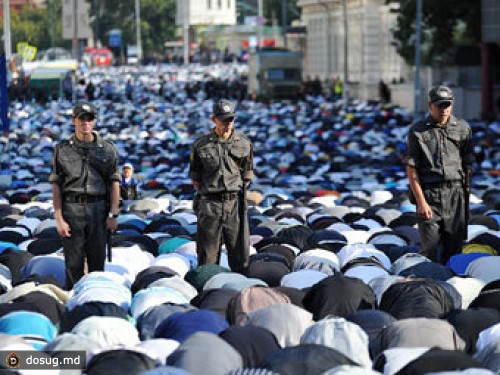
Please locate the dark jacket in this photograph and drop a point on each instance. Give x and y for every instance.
(221, 166)
(440, 153)
(84, 168)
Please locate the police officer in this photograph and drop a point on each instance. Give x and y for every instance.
(221, 166)
(439, 163)
(86, 191)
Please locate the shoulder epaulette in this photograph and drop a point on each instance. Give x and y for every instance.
(109, 142)
(204, 139)
(64, 142)
(238, 135)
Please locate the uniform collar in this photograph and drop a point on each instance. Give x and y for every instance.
(453, 120)
(431, 122)
(97, 140)
(215, 137)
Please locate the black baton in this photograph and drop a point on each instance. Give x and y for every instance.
(467, 190)
(108, 243)
(244, 230)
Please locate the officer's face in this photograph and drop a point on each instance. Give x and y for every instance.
(442, 112)
(223, 128)
(84, 124)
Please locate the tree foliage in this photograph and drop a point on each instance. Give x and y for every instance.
(159, 25)
(446, 24)
(157, 21)
(35, 26)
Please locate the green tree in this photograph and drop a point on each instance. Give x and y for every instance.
(35, 25)
(157, 21)
(446, 24)
(158, 24)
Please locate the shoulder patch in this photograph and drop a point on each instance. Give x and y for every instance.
(109, 143)
(242, 136)
(63, 143)
(203, 140)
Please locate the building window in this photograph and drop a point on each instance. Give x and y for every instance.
(219, 3)
(209, 4)
(228, 4)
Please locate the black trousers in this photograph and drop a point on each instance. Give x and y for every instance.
(87, 224)
(447, 225)
(219, 221)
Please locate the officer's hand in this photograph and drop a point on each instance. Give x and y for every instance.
(112, 224)
(424, 211)
(63, 229)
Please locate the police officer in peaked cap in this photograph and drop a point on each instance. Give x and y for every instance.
(438, 165)
(86, 191)
(221, 167)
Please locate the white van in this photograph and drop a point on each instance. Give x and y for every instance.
(132, 55)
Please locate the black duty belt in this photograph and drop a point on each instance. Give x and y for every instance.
(223, 196)
(441, 184)
(82, 199)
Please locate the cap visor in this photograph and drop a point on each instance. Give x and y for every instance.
(439, 102)
(225, 117)
(85, 113)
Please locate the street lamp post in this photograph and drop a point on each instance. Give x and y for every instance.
(186, 32)
(96, 23)
(50, 7)
(417, 58)
(7, 43)
(138, 30)
(76, 52)
(260, 22)
(284, 21)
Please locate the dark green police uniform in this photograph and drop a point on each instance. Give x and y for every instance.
(222, 167)
(441, 156)
(84, 172)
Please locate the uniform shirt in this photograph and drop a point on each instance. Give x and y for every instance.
(439, 153)
(81, 168)
(221, 165)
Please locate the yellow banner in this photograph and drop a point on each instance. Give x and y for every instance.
(21, 46)
(26, 51)
(29, 53)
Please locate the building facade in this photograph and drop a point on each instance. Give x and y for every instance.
(19, 4)
(206, 12)
(490, 56)
(370, 54)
